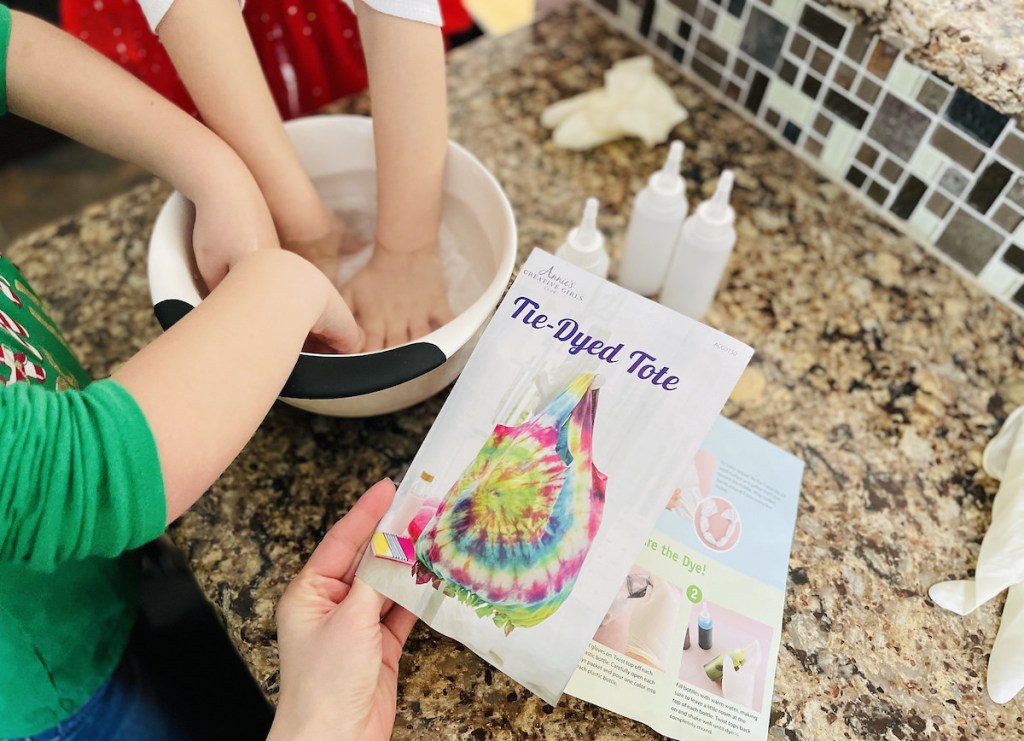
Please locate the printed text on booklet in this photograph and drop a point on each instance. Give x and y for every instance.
(642, 364)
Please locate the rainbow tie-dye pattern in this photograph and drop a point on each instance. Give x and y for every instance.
(511, 535)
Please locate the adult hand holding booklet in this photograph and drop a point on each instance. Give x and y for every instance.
(578, 413)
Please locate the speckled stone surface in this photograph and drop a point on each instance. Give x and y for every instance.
(976, 44)
(875, 363)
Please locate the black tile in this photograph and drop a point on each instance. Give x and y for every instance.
(980, 120)
(712, 50)
(859, 42)
(687, 6)
(791, 132)
(878, 193)
(772, 117)
(813, 146)
(1018, 297)
(706, 71)
(736, 7)
(845, 108)
(956, 147)
(678, 52)
(663, 42)
(740, 68)
(855, 177)
(932, 95)
(988, 186)
(684, 30)
(968, 241)
(811, 86)
(732, 91)
(763, 37)
(906, 200)
(1014, 257)
(788, 71)
(647, 17)
(756, 93)
(819, 24)
(898, 127)
(799, 46)
(611, 6)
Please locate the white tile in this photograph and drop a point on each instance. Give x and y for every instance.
(927, 162)
(630, 16)
(906, 78)
(787, 10)
(792, 104)
(729, 30)
(1000, 279)
(835, 157)
(925, 223)
(666, 19)
(1018, 235)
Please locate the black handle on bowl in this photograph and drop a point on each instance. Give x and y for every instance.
(338, 376)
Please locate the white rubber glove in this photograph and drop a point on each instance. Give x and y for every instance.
(1000, 562)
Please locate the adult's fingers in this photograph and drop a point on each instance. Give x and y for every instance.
(336, 555)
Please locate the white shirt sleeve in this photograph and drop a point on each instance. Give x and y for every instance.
(424, 11)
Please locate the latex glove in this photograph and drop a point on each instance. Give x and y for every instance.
(340, 641)
(1000, 562)
(633, 102)
(652, 622)
(738, 684)
(399, 296)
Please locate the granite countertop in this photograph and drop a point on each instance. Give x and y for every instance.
(976, 44)
(875, 363)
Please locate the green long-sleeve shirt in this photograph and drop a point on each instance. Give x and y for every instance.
(80, 485)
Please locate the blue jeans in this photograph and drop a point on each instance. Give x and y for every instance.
(126, 707)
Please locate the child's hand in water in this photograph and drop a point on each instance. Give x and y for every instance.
(334, 240)
(399, 296)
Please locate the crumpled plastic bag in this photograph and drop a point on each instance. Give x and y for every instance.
(633, 102)
(1000, 562)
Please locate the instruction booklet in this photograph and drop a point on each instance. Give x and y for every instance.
(577, 416)
(689, 644)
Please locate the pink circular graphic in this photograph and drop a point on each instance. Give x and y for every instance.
(717, 524)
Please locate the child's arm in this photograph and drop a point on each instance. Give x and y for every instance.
(202, 387)
(401, 294)
(212, 52)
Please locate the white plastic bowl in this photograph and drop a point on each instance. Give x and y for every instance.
(366, 384)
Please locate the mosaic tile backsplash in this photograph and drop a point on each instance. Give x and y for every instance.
(941, 162)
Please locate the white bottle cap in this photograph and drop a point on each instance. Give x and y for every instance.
(666, 186)
(716, 212)
(586, 238)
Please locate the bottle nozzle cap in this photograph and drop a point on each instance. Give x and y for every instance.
(586, 237)
(718, 206)
(668, 177)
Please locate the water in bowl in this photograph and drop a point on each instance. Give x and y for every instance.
(467, 255)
